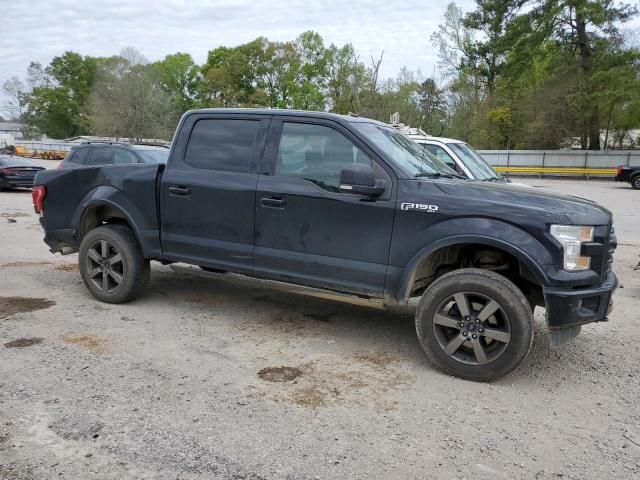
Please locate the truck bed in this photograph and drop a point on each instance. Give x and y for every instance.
(70, 192)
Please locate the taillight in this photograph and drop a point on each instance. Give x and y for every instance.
(38, 192)
(619, 170)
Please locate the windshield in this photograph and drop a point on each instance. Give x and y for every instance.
(407, 154)
(474, 162)
(155, 155)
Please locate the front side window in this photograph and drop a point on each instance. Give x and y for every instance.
(318, 154)
(101, 156)
(222, 144)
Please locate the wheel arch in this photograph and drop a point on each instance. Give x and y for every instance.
(426, 258)
(99, 207)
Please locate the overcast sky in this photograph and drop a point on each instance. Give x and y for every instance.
(40, 30)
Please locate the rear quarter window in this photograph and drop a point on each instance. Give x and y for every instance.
(77, 155)
(222, 144)
(101, 156)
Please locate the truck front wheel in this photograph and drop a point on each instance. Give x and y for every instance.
(474, 324)
(111, 264)
(635, 182)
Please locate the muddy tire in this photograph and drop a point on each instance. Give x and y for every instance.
(111, 264)
(474, 324)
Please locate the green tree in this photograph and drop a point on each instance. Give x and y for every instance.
(179, 77)
(128, 101)
(57, 101)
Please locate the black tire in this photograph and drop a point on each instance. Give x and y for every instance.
(503, 335)
(635, 182)
(118, 272)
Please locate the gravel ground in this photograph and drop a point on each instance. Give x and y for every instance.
(204, 379)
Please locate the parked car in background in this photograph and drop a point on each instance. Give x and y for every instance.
(17, 172)
(95, 154)
(629, 174)
(459, 156)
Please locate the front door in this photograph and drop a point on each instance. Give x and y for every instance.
(307, 230)
(208, 192)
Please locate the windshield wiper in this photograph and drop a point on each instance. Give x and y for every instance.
(491, 179)
(437, 175)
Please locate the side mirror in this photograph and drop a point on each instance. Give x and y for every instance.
(360, 179)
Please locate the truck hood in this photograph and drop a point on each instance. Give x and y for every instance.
(579, 211)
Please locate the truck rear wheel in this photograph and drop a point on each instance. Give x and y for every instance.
(474, 324)
(111, 264)
(635, 182)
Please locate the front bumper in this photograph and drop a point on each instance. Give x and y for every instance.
(570, 308)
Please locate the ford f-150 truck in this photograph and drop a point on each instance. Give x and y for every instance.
(345, 208)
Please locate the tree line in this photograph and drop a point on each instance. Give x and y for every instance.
(511, 74)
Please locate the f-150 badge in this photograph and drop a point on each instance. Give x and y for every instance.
(419, 206)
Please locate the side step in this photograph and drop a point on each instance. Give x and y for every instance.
(282, 286)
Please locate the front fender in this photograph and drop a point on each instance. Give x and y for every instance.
(491, 233)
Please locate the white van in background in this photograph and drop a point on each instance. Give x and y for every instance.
(455, 153)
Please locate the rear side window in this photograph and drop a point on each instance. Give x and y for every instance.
(223, 145)
(125, 156)
(101, 156)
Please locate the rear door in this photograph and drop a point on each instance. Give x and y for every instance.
(207, 192)
(307, 230)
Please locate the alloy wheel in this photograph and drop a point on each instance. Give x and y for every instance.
(471, 328)
(106, 268)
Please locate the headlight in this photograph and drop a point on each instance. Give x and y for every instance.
(572, 237)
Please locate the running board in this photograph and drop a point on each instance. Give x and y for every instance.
(238, 278)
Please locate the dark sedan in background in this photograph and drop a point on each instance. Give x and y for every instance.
(17, 172)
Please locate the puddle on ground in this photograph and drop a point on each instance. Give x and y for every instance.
(365, 380)
(90, 342)
(24, 342)
(279, 374)
(13, 305)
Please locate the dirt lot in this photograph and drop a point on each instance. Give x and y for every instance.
(202, 379)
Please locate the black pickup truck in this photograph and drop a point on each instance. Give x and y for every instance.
(345, 208)
(629, 174)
